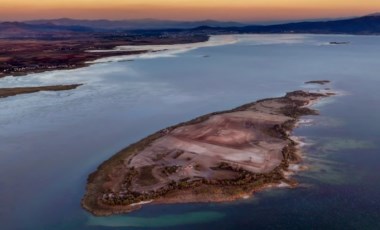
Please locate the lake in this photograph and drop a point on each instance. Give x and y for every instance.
(51, 141)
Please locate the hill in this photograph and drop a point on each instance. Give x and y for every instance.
(139, 24)
(68, 28)
(369, 24)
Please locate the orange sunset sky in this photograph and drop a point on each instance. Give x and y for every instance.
(237, 10)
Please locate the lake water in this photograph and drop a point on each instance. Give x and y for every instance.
(51, 141)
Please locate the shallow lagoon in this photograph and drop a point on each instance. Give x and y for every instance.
(51, 141)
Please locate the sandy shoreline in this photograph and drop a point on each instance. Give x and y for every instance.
(218, 157)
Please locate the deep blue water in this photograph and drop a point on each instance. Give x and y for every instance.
(51, 141)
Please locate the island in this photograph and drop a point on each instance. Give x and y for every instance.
(339, 43)
(221, 156)
(8, 92)
(319, 82)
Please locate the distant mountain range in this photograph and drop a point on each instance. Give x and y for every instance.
(369, 24)
(61, 28)
(47, 30)
(141, 24)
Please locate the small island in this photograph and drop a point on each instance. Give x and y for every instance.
(339, 43)
(222, 156)
(319, 82)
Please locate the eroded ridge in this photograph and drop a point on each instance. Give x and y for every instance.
(216, 157)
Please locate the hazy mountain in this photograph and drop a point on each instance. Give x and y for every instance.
(141, 24)
(369, 24)
(66, 28)
(24, 30)
(363, 25)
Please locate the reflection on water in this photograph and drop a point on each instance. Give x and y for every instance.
(158, 221)
(50, 142)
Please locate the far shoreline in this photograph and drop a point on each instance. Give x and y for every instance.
(107, 50)
(80, 63)
(78, 55)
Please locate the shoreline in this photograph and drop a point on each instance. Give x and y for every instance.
(9, 92)
(101, 197)
(72, 54)
(77, 65)
(81, 58)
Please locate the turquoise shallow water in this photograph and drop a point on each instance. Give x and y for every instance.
(51, 141)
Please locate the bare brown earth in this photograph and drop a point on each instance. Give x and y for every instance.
(221, 156)
(8, 92)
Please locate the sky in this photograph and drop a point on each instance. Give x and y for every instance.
(235, 10)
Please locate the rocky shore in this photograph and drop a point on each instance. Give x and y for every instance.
(217, 157)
